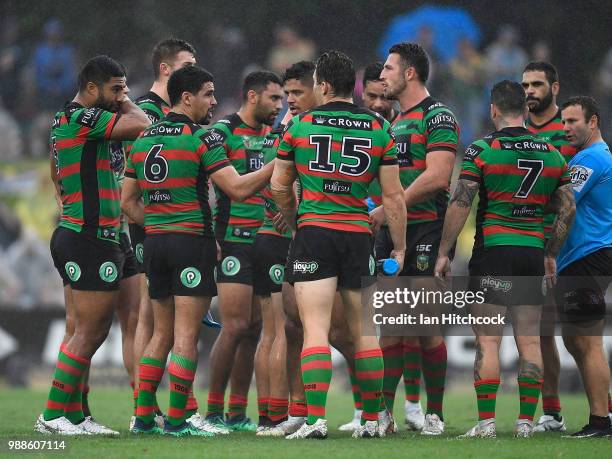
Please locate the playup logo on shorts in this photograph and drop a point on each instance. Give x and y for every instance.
(277, 274)
(190, 277)
(496, 284)
(230, 266)
(305, 266)
(108, 271)
(73, 271)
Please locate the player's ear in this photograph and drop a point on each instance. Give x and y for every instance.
(164, 69)
(252, 96)
(92, 89)
(555, 88)
(186, 98)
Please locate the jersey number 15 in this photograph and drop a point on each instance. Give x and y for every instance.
(353, 150)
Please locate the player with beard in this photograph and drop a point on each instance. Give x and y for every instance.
(541, 85)
(241, 137)
(374, 98)
(85, 246)
(169, 167)
(427, 136)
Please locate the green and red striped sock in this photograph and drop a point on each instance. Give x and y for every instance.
(551, 405)
(316, 373)
(298, 408)
(609, 403)
(434, 374)
(486, 396)
(134, 395)
(150, 372)
(393, 368)
(277, 408)
(69, 373)
(192, 404)
(370, 372)
(262, 406)
(355, 389)
(237, 406)
(216, 404)
(181, 373)
(412, 372)
(529, 393)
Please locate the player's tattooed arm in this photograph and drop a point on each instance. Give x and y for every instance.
(457, 213)
(281, 187)
(131, 204)
(477, 362)
(564, 206)
(529, 370)
(240, 187)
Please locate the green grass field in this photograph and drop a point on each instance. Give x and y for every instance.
(112, 408)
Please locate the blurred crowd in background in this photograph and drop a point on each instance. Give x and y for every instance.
(38, 75)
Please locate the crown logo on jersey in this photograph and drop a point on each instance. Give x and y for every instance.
(507, 145)
(319, 120)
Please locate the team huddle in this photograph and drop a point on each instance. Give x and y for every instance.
(303, 214)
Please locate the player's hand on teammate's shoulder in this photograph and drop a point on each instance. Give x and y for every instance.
(279, 223)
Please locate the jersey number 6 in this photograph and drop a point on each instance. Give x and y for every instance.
(155, 165)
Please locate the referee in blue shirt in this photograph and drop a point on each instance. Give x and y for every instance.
(584, 264)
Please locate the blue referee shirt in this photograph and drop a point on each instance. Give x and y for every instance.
(591, 173)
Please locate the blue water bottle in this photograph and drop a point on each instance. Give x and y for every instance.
(388, 266)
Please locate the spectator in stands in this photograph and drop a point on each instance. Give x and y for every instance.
(505, 58)
(289, 48)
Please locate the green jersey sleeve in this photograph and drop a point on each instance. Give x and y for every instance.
(471, 168)
(97, 123)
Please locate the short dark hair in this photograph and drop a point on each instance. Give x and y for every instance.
(372, 72)
(99, 70)
(509, 97)
(589, 106)
(302, 71)
(337, 69)
(552, 76)
(413, 55)
(167, 50)
(258, 81)
(188, 79)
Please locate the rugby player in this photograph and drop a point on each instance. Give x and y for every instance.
(168, 55)
(541, 85)
(169, 167)
(241, 137)
(85, 246)
(336, 144)
(586, 259)
(517, 175)
(427, 135)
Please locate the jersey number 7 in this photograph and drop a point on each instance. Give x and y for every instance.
(534, 168)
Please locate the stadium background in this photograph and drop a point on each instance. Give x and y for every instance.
(233, 38)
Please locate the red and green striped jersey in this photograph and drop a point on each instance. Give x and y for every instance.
(154, 106)
(172, 160)
(270, 145)
(426, 127)
(89, 189)
(552, 132)
(337, 149)
(518, 174)
(239, 221)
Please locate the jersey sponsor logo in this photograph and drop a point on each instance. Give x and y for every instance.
(89, 116)
(524, 145)
(108, 233)
(213, 138)
(268, 142)
(336, 186)
(422, 262)
(305, 266)
(423, 248)
(230, 266)
(434, 105)
(342, 122)
(441, 121)
(242, 233)
(73, 271)
(108, 271)
(277, 273)
(56, 121)
(252, 142)
(160, 196)
(495, 284)
(404, 158)
(580, 175)
(163, 129)
(190, 277)
(472, 152)
(153, 117)
(117, 157)
(524, 211)
(254, 159)
(140, 252)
